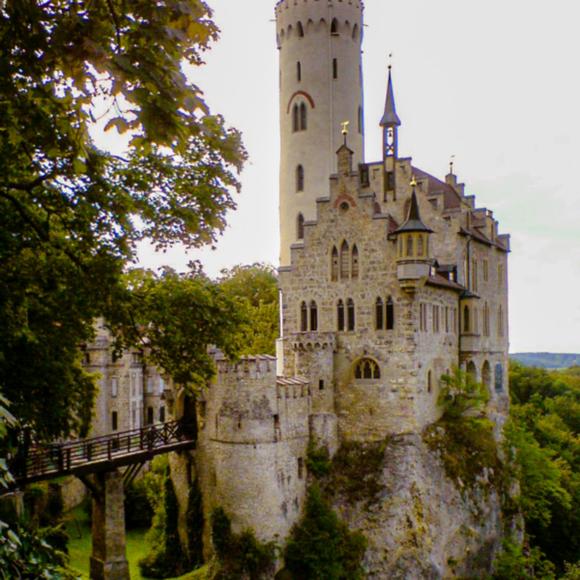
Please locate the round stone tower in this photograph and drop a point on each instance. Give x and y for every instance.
(321, 87)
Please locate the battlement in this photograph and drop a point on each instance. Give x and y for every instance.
(258, 367)
(296, 20)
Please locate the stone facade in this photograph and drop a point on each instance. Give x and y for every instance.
(131, 394)
(393, 278)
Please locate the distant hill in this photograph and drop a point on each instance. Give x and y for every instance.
(547, 360)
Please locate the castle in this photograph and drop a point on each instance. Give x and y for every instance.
(389, 278)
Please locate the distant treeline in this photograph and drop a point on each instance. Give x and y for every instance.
(547, 360)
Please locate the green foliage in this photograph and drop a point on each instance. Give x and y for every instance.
(195, 522)
(71, 215)
(166, 558)
(138, 509)
(515, 563)
(542, 438)
(467, 448)
(321, 547)
(318, 460)
(255, 287)
(460, 394)
(357, 470)
(240, 555)
(176, 316)
(28, 554)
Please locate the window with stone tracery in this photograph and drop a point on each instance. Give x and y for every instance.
(367, 369)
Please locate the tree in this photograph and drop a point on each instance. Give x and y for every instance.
(71, 215)
(256, 289)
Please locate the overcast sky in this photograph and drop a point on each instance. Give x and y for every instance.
(495, 83)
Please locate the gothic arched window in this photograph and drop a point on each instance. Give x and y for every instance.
(303, 117)
(295, 118)
(299, 178)
(350, 314)
(334, 27)
(390, 314)
(354, 263)
(300, 227)
(379, 317)
(340, 315)
(300, 30)
(344, 260)
(367, 369)
(334, 265)
(313, 316)
(303, 317)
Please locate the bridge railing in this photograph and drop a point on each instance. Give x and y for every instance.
(61, 458)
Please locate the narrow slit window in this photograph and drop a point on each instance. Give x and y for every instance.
(379, 318)
(354, 263)
(295, 118)
(335, 68)
(299, 178)
(351, 314)
(300, 227)
(303, 117)
(390, 314)
(334, 265)
(340, 315)
(303, 317)
(299, 71)
(313, 316)
(334, 27)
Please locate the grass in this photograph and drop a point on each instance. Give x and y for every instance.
(80, 546)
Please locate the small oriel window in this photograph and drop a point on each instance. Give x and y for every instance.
(367, 369)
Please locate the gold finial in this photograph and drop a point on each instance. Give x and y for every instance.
(413, 181)
(345, 125)
(451, 164)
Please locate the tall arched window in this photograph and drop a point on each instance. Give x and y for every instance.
(500, 321)
(344, 260)
(334, 264)
(390, 314)
(300, 30)
(303, 317)
(466, 321)
(486, 374)
(486, 319)
(350, 314)
(340, 315)
(300, 178)
(354, 263)
(379, 314)
(295, 118)
(367, 369)
(300, 227)
(313, 316)
(334, 27)
(355, 32)
(303, 117)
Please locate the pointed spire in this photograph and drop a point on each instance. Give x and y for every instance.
(413, 222)
(390, 118)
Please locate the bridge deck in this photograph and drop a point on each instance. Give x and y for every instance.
(102, 453)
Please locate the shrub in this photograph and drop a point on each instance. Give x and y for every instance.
(513, 563)
(138, 509)
(240, 555)
(318, 460)
(321, 547)
(194, 522)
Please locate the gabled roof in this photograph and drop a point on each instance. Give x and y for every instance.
(451, 199)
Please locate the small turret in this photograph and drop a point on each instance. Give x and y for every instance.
(413, 256)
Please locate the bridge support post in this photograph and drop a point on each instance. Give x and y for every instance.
(108, 560)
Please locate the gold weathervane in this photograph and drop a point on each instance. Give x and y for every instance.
(345, 125)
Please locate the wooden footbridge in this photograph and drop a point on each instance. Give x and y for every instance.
(87, 456)
(99, 463)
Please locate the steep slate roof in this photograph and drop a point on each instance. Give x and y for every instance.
(390, 117)
(451, 199)
(413, 223)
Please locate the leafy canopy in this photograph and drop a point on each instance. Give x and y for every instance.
(72, 215)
